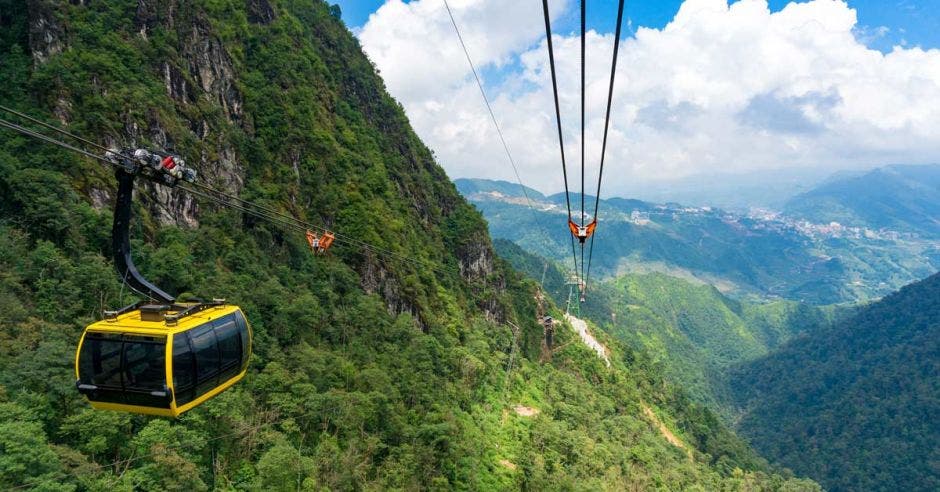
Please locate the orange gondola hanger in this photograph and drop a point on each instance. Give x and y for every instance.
(320, 244)
(590, 228)
(582, 232)
(326, 241)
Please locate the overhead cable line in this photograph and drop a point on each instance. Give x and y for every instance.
(610, 98)
(489, 108)
(583, 30)
(561, 141)
(217, 196)
(583, 26)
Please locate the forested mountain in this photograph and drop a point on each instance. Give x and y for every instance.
(369, 371)
(760, 255)
(856, 406)
(901, 198)
(693, 331)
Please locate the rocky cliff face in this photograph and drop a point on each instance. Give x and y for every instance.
(204, 116)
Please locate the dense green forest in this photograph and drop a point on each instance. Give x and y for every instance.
(856, 406)
(368, 372)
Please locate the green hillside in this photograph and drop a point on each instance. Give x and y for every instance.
(902, 198)
(742, 255)
(855, 406)
(369, 372)
(691, 330)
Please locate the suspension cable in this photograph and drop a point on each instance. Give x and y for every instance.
(561, 140)
(583, 28)
(206, 188)
(610, 98)
(489, 108)
(216, 196)
(55, 128)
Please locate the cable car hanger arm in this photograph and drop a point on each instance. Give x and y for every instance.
(163, 169)
(121, 244)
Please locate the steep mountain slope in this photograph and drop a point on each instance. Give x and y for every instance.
(763, 255)
(369, 372)
(901, 198)
(856, 406)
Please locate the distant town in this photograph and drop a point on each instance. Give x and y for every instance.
(757, 219)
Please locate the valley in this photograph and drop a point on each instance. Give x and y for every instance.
(820, 389)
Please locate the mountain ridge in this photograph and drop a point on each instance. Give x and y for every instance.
(899, 197)
(855, 404)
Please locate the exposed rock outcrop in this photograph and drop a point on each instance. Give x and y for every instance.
(46, 35)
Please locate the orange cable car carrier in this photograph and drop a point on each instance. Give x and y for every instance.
(319, 245)
(582, 232)
(159, 356)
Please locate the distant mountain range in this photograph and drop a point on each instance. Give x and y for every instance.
(855, 406)
(762, 253)
(901, 198)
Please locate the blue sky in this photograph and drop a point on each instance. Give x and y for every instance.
(909, 22)
(734, 90)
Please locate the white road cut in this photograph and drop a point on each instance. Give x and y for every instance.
(580, 326)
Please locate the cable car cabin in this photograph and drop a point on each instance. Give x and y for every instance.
(162, 360)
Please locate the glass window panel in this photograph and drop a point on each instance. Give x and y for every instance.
(184, 375)
(100, 360)
(206, 350)
(245, 337)
(144, 365)
(226, 331)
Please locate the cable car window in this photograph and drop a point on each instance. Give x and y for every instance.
(144, 364)
(206, 349)
(230, 348)
(245, 337)
(184, 373)
(100, 360)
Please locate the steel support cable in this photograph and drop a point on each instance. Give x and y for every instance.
(98, 146)
(48, 139)
(302, 227)
(561, 140)
(308, 225)
(242, 205)
(489, 108)
(583, 26)
(583, 29)
(56, 129)
(202, 186)
(610, 98)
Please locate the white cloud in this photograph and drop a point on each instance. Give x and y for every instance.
(729, 88)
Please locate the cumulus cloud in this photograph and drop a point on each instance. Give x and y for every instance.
(721, 88)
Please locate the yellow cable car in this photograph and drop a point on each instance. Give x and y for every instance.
(151, 361)
(157, 357)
